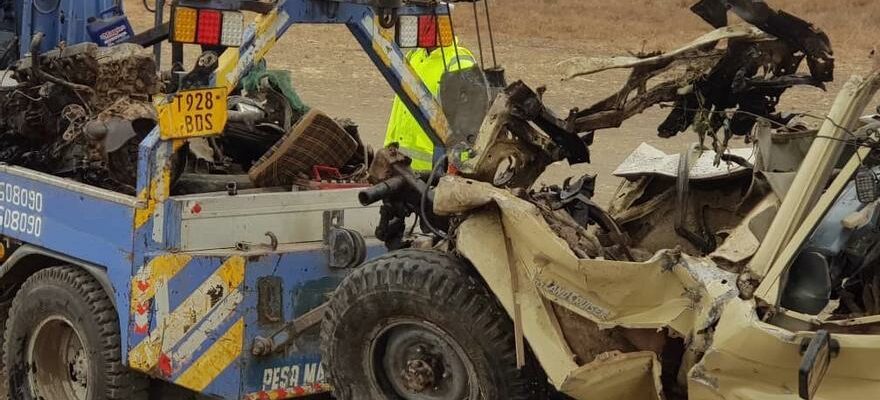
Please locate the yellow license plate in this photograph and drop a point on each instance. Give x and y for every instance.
(193, 113)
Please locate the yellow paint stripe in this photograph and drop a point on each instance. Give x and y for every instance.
(158, 192)
(232, 271)
(145, 355)
(173, 327)
(211, 364)
(228, 62)
(161, 268)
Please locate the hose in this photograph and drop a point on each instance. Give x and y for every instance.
(424, 201)
(38, 73)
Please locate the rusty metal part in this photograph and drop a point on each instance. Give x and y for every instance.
(519, 139)
(271, 246)
(381, 169)
(284, 337)
(418, 376)
(270, 299)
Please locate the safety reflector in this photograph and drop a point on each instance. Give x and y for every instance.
(233, 29)
(444, 30)
(425, 31)
(207, 26)
(185, 20)
(408, 31)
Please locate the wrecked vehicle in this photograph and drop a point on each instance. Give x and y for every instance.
(715, 274)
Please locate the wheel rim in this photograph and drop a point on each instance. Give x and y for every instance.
(57, 361)
(416, 360)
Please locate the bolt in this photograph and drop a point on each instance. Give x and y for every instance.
(262, 346)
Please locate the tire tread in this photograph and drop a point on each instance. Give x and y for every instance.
(448, 282)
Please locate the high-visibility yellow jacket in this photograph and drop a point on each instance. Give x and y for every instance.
(403, 127)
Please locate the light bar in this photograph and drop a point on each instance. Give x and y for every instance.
(425, 31)
(408, 31)
(233, 29)
(185, 21)
(207, 26)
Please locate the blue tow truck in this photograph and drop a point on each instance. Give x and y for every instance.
(103, 294)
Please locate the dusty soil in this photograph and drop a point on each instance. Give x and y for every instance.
(333, 74)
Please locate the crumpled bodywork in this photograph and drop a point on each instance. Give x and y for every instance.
(729, 352)
(751, 359)
(671, 292)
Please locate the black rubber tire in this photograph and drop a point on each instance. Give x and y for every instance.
(4, 382)
(73, 294)
(428, 286)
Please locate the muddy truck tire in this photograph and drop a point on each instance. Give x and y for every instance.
(415, 324)
(62, 341)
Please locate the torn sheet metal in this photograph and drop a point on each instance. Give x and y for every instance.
(647, 160)
(721, 83)
(633, 376)
(581, 66)
(743, 241)
(750, 359)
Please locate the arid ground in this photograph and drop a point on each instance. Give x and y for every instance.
(534, 36)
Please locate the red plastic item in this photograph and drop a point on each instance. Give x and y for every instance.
(427, 31)
(210, 27)
(322, 173)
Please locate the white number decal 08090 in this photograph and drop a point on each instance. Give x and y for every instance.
(20, 221)
(27, 221)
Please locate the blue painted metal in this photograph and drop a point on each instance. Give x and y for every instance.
(64, 218)
(61, 20)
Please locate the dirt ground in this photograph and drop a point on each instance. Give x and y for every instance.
(334, 75)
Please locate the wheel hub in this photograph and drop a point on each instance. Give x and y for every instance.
(78, 367)
(418, 376)
(58, 364)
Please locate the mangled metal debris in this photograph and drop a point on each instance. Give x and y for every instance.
(79, 111)
(720, 84)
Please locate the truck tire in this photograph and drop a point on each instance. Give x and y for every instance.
(4, 382)
(414, 324)
(62, 341)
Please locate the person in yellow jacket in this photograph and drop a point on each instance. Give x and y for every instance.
(403, 128)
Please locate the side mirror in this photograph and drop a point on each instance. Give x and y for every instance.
(817, 354)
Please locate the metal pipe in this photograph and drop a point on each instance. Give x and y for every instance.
(160, 19)
(491, 35)
(36, 41)
(479, 36)
(381, 190)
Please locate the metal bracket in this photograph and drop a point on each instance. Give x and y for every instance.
(285, 336)
(332, 219)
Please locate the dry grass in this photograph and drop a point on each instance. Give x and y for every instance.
(853, 25)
